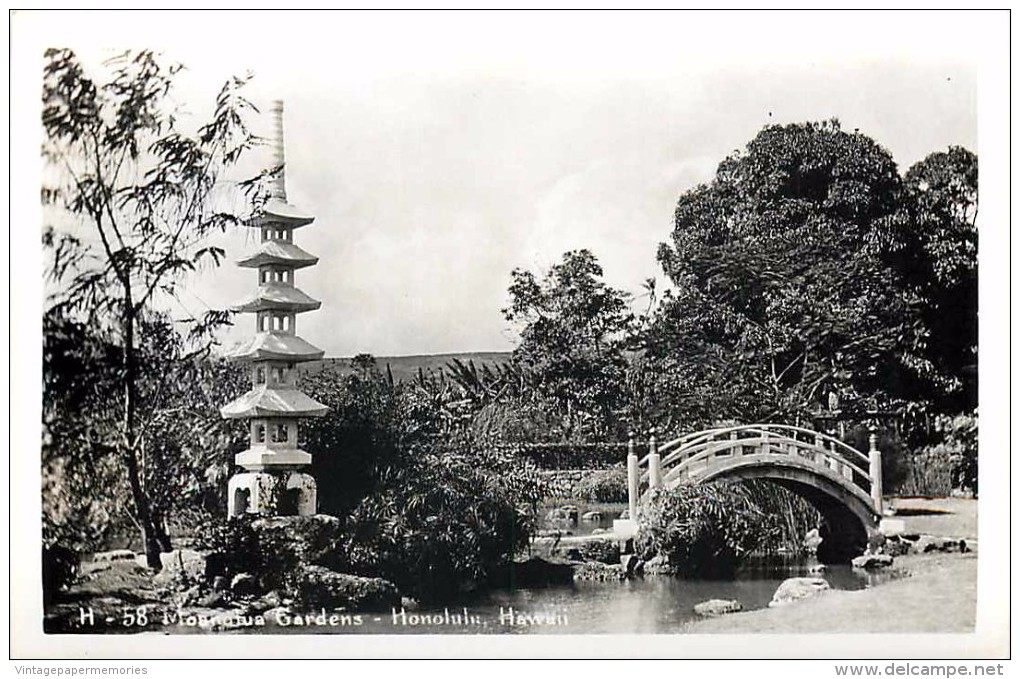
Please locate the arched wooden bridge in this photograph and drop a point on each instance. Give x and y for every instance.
(844, 484)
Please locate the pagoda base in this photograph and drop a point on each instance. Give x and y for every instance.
(280, 493)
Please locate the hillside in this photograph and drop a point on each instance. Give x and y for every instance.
(406, 368)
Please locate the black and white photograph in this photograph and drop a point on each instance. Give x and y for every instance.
(510, 334)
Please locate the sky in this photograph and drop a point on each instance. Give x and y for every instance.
(439, 152)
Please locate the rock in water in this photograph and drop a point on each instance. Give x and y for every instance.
(244, 584)
(872, 561)
(714, 607)
(794, 589)
(811, 541)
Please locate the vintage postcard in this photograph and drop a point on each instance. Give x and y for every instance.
(510, 334)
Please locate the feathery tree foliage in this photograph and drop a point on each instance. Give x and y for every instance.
(132, 196)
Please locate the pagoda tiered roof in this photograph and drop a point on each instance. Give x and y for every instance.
(268, 346)
(266, 401)
(275, 295)
(278, 253)
(279, 213)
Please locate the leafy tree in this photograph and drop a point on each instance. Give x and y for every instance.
(573, 329)
(181, 443)
(372, 423)
(132, 197)
(364, 365)
(783, 292)
(939, 263)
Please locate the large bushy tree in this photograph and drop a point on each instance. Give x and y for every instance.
(573, 330)
(783, 292)
(132, 193)
(939, 265)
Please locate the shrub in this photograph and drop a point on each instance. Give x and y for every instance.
(444, 521)
(895, 454)
(604, 551)
(60, 567)
(609, 485)
(948, 465)
(704, 530)
(793, 516)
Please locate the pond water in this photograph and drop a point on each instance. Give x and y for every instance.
(656, 605)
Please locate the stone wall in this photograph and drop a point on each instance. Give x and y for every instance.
(563, 481)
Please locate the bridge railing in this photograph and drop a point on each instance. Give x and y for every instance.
(694, 454)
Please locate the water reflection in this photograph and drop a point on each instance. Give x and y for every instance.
(654, 605)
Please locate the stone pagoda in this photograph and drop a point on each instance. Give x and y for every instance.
(272, 480)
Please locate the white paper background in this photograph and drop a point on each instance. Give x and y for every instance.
(578, 50)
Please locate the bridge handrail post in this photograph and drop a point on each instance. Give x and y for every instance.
(654, 461)
(875, 471)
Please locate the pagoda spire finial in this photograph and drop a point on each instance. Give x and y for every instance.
(280, 184)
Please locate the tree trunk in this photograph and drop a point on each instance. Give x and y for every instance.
(162, 537)
(142, 509)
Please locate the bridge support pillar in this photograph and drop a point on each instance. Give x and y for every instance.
(875, 472)
(632, 479)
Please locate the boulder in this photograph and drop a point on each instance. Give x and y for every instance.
(534, 572)
(715, 607)
(313, 538)
(811, 541)
(876, 541)
(244, 584)
(181, 564)
(932, 543)
(795, 589)
(212, 600)
(897, 547)
(871, 562)
(596, 571)
(321, 587)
